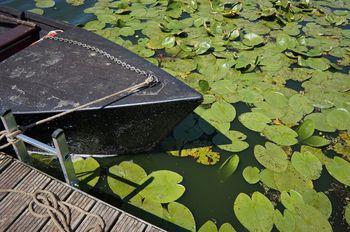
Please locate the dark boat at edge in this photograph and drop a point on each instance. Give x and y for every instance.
(42, 79)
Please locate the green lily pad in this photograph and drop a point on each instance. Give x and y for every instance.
(254, 121)
(87, 171)
(226, 227)
(271, 156)
(220, 111)
(347, 214)
(231, 141)
(306, 129)
(307, 218)
(316, 141)
(284, 222)
(320, 122)
(152, 207)
(126, 31)
(291, 179)
(75, 2)
(308, 165)
(252, 39)
(209, 226)
(251, 174)
(164, 187)
(280, 134)
(44, 3)
(300, 103)
(94, 25)
(129, 171)
(169, 42)
(339, 169)
(316, 152)
(339, 119)
(256, 213)
(229, 167)
(180, 215)
(37, 11)
(318, 200)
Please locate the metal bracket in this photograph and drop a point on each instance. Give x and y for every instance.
(10, 124)
(60, 150)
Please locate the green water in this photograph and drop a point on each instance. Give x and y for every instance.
(207, 196)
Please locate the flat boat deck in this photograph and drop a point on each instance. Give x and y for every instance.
(14, 210)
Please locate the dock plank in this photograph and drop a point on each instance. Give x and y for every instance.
(108, 214)
(11, 176)
(78, 199)
(129, 223)
(31, 223)
(14, 207)
(4, 161)
(14, 204)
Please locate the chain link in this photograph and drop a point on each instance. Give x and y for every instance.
(107, 55)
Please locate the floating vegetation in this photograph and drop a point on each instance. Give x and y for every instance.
(274, 75)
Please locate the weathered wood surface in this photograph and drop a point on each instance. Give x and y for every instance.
(14, 207)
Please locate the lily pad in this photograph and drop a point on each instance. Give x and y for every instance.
(318, 200)
(339, 169)
(256, 213)
(164, 188)
(271, 156)
(220, 111)
(339, 119)
(229, 166)
(226, 227)
(87, 171)
(180, 215)
(347, 214)
(306, 129)
(316, 141)
(231, 141)
(281, 135)
(252, 39)
(209, 226)
(254, 121)
(308, 165)
(251, 174)
(320, 122)
(129, 171)
(307, 217)
(44, 3)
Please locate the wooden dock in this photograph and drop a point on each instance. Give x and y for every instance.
(15, 213)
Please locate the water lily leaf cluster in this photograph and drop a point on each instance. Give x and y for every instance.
(158, 192)
(277, 70)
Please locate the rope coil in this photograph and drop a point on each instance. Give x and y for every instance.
(56, 210)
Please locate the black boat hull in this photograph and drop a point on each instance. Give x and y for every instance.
(50, 77)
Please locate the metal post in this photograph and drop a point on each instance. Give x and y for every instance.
(63, 154)
(10, 124)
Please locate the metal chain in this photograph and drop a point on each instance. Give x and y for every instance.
(107, 55)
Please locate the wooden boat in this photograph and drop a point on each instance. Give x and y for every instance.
(40, 78)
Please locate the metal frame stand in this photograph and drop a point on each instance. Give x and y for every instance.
(61, 150)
